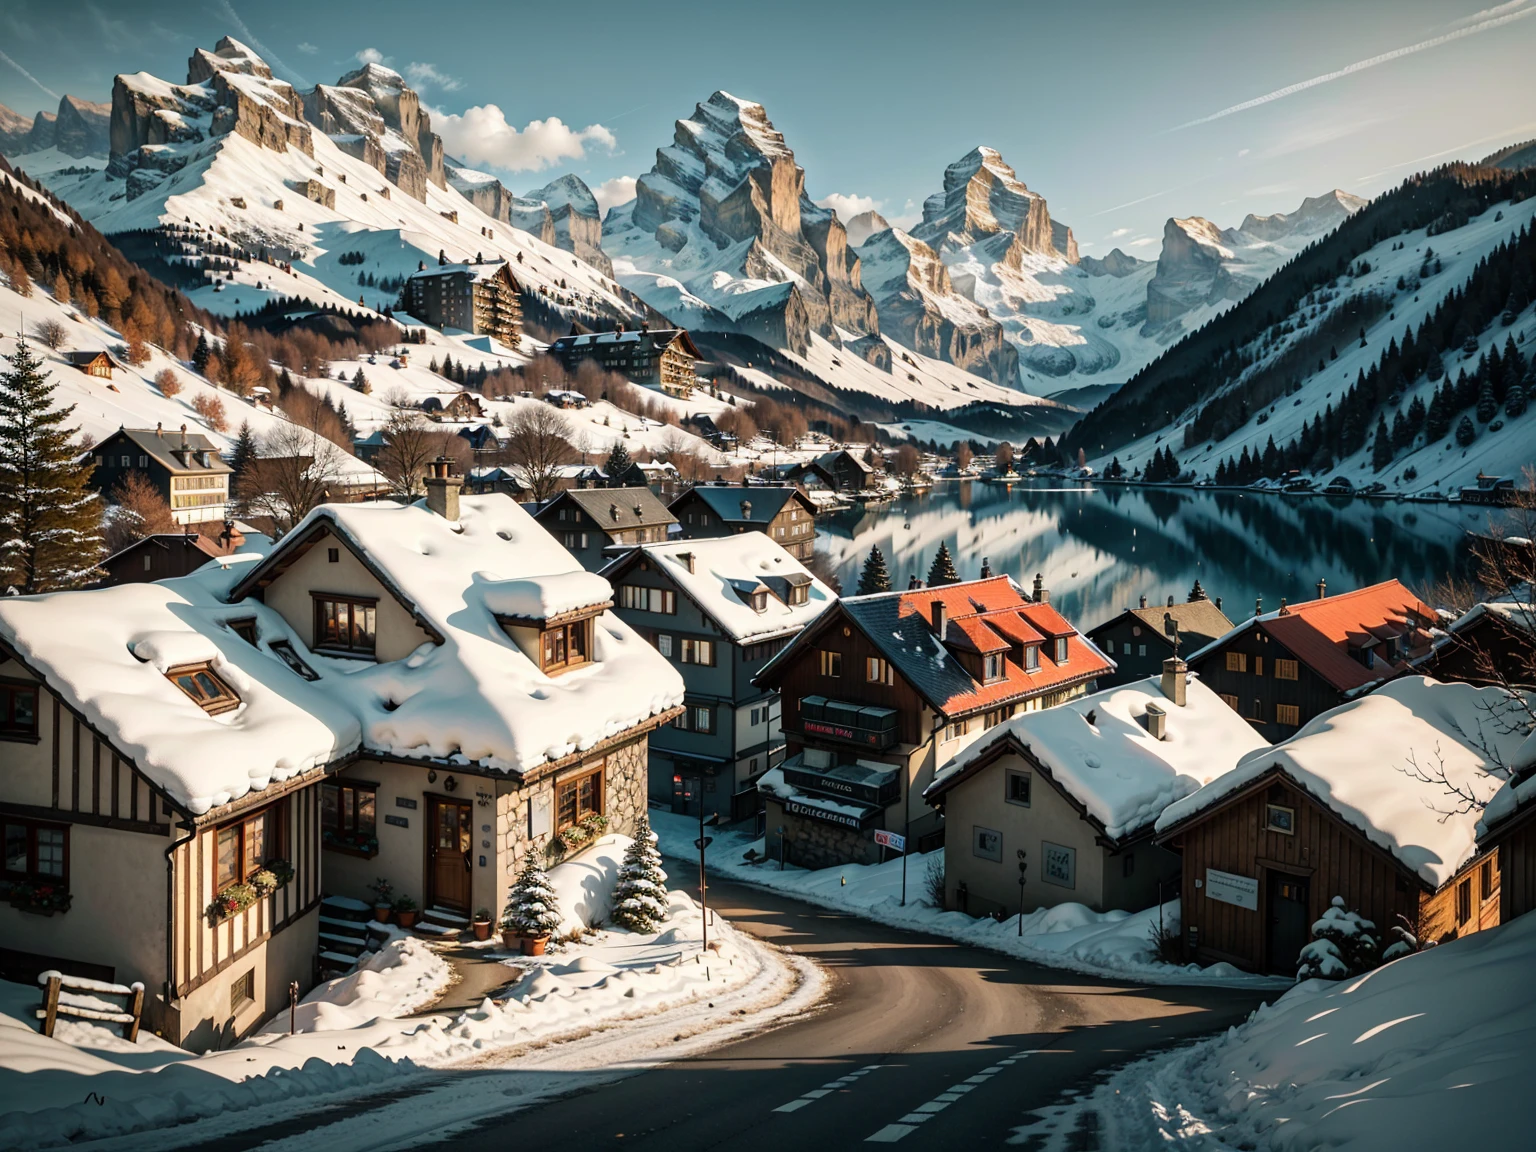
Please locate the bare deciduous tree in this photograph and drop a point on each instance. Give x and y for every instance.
(51, 333)
(962, 456)
(410, 444)
(296, 470)
(1004, 459)
(136, 510)
(538, 443)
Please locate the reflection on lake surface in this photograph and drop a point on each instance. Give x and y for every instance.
(1102, 548)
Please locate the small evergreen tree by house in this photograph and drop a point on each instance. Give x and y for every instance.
(1343, 944)
(943, 569)
(618, 463)
(532, 909)
(243, 453)
(640, 896)
(50, 520)
(874, 577)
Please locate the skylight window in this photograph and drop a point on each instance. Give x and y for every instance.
(204, 689)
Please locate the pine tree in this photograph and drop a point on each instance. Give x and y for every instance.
(50, 520)
(1487, 404)
(1343, 944)
(1514, 403)
(243, 453)
(943, 569)
(875, 577)
(201, 354)
(1381, 453)
(619, 462)
(532, 909)
(640, 896)
(1465, 432)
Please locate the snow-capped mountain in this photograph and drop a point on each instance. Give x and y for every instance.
(346, 182)
(721, 236)
(865, 225)
(576, 219)
(78, 129)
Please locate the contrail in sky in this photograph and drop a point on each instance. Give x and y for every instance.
(29, 75)
(250, 38)
(1496, 17)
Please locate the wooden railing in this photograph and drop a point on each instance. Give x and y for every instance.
(83, 999)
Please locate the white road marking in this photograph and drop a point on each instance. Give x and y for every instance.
(792, 1106)
(890, 1134)
(908, 1123)
(826, 1089)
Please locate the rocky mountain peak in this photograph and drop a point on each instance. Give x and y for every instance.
(576, 219)
(983, 197)
(1316, 215)
(569, 191)
(865, 225)
(228, 55)
(78, 128)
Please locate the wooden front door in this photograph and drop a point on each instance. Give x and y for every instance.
(448, 854)
(1290, 922)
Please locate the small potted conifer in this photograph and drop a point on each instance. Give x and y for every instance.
(482, 923)
(532, 913)
(405, 912)
(383, 899)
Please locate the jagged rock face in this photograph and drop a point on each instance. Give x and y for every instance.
(154, 113)
(983, 196)
(228, 55)
(81, 127)
(1117, 264)
(871, 349)
(1317, 214)
(577, 221)
(728, 200)
(865, 225)
(531, 216)
(400, 109)
(493, 198)
(1191, 271)
(920, 308)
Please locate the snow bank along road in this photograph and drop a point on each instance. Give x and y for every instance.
(918, 1041)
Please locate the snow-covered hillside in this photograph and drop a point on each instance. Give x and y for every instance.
(1441, 467)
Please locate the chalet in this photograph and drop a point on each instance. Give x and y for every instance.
(184, 467)
(1497, 490)
(236, 743)
(495, 479)
(1507, 827)
(1491, 643)
(883, 689)
(566, 398)
(167, 555)
(595, 524)
(482, 298)
(94, 363)
(453, 406)
(783, 512)
(840, 470)
(1359, 804)
(481, 438)
(1072, 793)
(661, 358)
(719, 610)
(1281, 669)
(1141, 638)
(703, 425)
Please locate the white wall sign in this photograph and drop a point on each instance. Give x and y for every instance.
(539, 815)
(1230, 888)
(1060, 864)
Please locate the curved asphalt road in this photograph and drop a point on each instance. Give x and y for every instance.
(920, 1041)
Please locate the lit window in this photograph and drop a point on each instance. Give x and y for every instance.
(1286, 670)
(349, 814)
(577, 799)
(831, 663)
(345, 625)
(698, 652)
(203, 688)
(247, 845)
(566, 646)
(1237, 662)
(878, 671)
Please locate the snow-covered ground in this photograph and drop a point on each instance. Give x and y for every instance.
(1115, 945)
(641, 989)
(1430, 1051)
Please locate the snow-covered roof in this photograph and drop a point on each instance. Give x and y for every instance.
(478, 272)
(720, 575)
(1364, 760)
(1098, 750)
(105, 652)
(476, 696)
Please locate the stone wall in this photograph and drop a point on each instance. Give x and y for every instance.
(815, 843)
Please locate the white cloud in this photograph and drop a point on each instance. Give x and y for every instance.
(847, 207)
(423, 76)
(1142, 241)
(1243, 152)
(372, 56)
(1119, 232)
(1496, 10)
(612, 193)
(482, 136)
(307, 48)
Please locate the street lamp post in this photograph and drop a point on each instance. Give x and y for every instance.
(1023, 867)
(702, 843)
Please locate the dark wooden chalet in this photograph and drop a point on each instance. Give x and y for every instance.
(184, 467)
(166, 555)
(595, 524)
(1492, 643)
(1140, 639)
(656, 357)
(98, 364)
(784, 512)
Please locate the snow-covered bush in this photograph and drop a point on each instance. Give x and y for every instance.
(640, 897)
(532, 909)
(1343, 944)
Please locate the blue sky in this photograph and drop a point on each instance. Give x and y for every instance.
(1120, 113)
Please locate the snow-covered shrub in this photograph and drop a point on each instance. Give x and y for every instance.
(1343, 944)
(640, 896)
(532, 909)
(1407, 941)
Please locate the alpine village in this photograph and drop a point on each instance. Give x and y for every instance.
(665, 661)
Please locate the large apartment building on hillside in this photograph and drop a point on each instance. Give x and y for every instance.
(482, 298)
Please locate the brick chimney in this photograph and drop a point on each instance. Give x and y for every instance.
(939, 617)
(1322, 589)
(1175, 684)
(443, 488)
(1042, 593)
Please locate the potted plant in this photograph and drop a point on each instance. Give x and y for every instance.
(405, 912)
(383, 899)
(40, 899)
(482, 923)
(532, 913)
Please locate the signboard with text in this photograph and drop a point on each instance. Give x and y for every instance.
(1229, 888)
(891, 840)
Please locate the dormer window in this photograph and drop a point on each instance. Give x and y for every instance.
(1031, 657)
(204, 688)
(799, 594)
(345, 625)
(760, 600)
(245, 629)
(1061, 650)
(565, 646)
(994, 667)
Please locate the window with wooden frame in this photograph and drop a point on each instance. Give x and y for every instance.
(760, 600)
(1286, 670)
(242, 991)
(642, 599)
(993, 665)
(577, 798)
(345, 625)
(698, 652)
(695, 718)
(18, 710)
(35, 852)
(284, 652)
(799, 594)
(1288, 714)
(878, 671)
(245, 629)
(1464, 901)
(831, 663)
(349, 815)
(1488, 879)
(565, 646)
(1060, 649)
(1237, 661)
(204, 688)
(246, 845)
